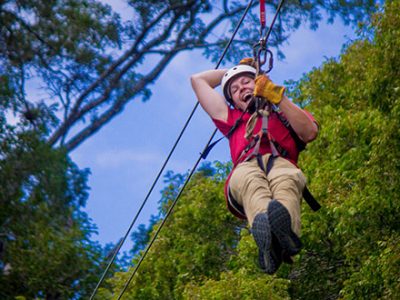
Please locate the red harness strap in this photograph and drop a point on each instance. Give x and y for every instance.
(233, 206)
(262, 14)
(256, 142)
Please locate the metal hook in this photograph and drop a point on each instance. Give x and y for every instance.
(261, 54)
(271, 60)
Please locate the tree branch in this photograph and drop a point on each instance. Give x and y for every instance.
(214, 23)
(116, 79)
(77, 112)
(122, 59)
(28, 28)
(117, 107)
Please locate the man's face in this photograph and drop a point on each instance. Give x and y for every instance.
(241, 90)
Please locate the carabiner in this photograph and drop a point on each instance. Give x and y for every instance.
(261, 53)
(270, 61)
(256, 49)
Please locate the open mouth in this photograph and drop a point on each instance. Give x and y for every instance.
(247, 97)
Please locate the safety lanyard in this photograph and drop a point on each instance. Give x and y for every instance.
(261, 53)
(256, 140)
(262, 15)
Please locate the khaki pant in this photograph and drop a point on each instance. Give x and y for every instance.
(253, 189)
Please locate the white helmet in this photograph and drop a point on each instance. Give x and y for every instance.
(233, 73)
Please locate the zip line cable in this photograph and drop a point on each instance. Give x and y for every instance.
(200, 157)
(122, 241)
(273, 20)
(165, 163)
(201, 154)
(165, 219)
(191, 172)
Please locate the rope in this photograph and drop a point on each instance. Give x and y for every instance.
(191, 172)
(165, 219)
(260, 49)
(122, 241)
(262, 15)
(273, 20)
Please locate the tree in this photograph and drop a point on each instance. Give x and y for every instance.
(45, 237)
(46, 249)
(89, 62)
(353, 243)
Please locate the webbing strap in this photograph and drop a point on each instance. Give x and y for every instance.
(299, 143)
(260, 162)
(262, 14)
(207, 150)
(311, 201)
(239, 209)
(270, 163)
(256, 140)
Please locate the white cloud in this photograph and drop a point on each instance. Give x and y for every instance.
(122, 157)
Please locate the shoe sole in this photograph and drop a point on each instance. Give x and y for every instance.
(281, 227)
(268, 259)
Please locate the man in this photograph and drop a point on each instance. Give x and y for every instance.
(269, 200)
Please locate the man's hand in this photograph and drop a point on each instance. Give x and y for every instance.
(265, 88)
(248, 61)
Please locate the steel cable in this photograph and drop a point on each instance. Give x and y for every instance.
(122, 241)
(201, 154)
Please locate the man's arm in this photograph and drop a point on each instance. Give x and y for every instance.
(305, 128)
(302, 124)
(210, 100)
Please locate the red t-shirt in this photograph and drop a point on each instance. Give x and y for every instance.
(238, 142)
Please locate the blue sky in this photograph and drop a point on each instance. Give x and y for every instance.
(125, 156)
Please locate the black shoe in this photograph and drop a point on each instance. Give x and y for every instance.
(279, 253)
(279, 219)
(269, 257)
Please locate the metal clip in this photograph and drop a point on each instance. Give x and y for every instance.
(261, 54)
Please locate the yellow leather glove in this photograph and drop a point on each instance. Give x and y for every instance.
(265, 88)
(248, 61)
